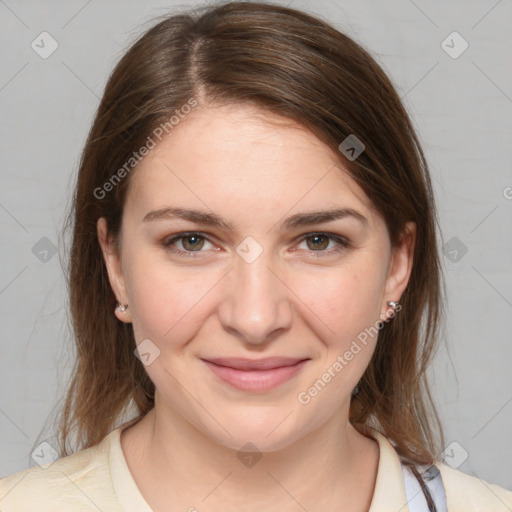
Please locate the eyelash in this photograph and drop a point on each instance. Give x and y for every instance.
(168, 244)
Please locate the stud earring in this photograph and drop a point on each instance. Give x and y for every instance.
(393, 304)
(121, 308)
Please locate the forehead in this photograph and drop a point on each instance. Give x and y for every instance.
(237, 158)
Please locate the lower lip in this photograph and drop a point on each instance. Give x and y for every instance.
(256, 380)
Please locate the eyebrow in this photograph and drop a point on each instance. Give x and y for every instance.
(214, 220)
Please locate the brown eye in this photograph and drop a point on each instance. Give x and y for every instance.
(192, 242)
(324, 244)
(318, 242)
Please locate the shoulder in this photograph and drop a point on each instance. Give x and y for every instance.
(78, 482)
(469, 493)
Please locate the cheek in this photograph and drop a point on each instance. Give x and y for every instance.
(166, 302)
(347, 300)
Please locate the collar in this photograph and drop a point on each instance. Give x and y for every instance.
(389, 494)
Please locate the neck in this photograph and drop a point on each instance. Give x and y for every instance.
(172, 461)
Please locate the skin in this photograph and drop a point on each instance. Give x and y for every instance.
(298, 298)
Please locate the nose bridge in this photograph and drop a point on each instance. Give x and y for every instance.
(257, 302)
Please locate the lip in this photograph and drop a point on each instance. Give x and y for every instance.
(255, 374)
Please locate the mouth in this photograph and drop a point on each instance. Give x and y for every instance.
(255, 374)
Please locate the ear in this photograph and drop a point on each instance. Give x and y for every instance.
(114, 268)
(400, 267)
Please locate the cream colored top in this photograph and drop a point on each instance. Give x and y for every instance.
(98, 478)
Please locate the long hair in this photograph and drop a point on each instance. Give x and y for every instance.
(296, 65)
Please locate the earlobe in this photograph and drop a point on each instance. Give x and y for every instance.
(115, 275)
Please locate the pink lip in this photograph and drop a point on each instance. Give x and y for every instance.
(255, 375)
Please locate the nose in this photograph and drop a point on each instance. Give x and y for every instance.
(256, 302)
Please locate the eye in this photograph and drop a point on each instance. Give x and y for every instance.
(319, 242)
(191, 242)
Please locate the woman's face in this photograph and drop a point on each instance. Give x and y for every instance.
(258, 276)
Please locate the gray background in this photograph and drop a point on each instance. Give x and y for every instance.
(461, 107)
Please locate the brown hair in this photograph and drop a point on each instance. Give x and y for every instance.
(296, 65)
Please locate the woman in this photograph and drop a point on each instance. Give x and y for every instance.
(255, 270)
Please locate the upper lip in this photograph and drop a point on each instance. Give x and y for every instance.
(255, 364)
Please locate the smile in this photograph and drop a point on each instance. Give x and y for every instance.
(255, 379)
